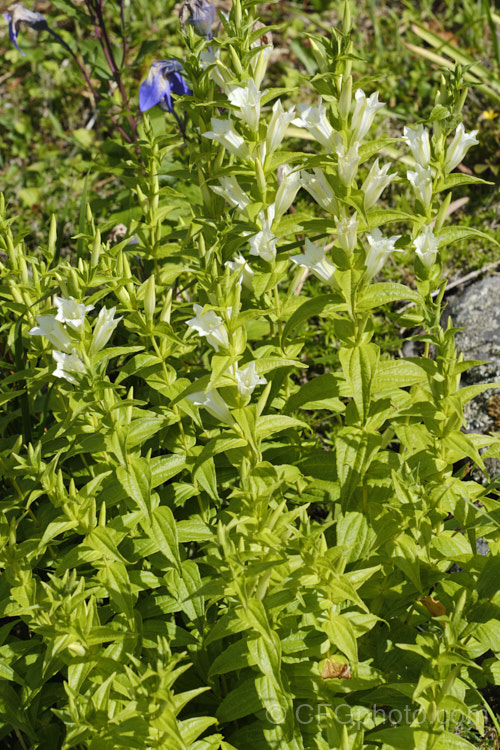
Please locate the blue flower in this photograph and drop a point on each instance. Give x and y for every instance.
(19, 15)
(201, 15)
(164, 79)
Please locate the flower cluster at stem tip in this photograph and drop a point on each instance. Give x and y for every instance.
(64, 330)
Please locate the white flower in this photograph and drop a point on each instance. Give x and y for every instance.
(315, 260)
(230, 190)
(319, 188)
(379, 249)
(421, 180)
(66, 364)
(224, 133)
(417, 139)
(259, 61)
(104, 327)
(347, 232)
(49, 327)
(288, 189)
(314, 120)
(459, 146)
(280, 120)
(71, 312)
(209, 324)
(247, 379)
(348, 163)
(218, 73)
(364, 113)
(376, 182)
(213, 402)
(240, 265)
(263, 243)
(426, 245)
(247, 99)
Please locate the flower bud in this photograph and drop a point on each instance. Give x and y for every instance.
(149, 298)
(345, 99)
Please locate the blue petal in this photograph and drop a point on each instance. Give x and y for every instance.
(153, 89)
(178, 85)
(13, 34)
(203, 18)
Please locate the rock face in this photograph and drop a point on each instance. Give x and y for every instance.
(477, 310)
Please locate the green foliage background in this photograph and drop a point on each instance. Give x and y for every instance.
(173, 581)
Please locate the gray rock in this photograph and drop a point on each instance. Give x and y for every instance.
(476, 309)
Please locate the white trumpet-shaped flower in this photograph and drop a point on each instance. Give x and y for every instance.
(426, 246)
(210, 325)
(230, 189)
(315, 260)
(49, 327)
(224, 133)
(104, 327)
(263, 243)
(258, 63)
(378, 251)
(221, 76)
(417, 138)
(314, 120)
(459, 146)
(348, 163)
(71, 312)
(67, 364)
(213, 402)
(280, 120)
(247, 100)
(364, 113)
(288, 189)
(239, 264)
(319, 188)
(247, 379)
(421, 180)
(376, 182)
(347, 232)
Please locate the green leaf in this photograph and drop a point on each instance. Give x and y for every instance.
(355, 535)
(376, 295)
(326, 304)
(398, 373)
(164, 532)
(321, 392)
(355, 449)
(164, 468)
(360, 365)
(240, 702)
(235, 657)
(455, 234)
(193, 531)
(142, 429)
(117, 582)
(456, 179)
(135, 478)
(269, 424)
(340, 632)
